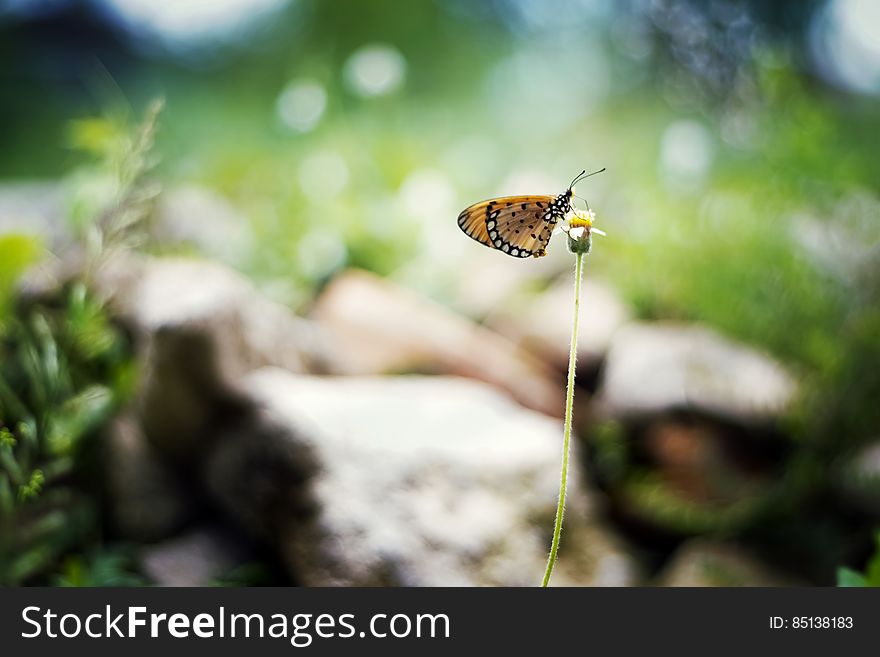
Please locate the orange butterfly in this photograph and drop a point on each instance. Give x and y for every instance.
(519, 226)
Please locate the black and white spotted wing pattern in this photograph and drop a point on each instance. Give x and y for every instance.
(519, 226)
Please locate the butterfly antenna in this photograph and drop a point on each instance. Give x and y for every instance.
(583, 174)
(583, 199)
(576, 178)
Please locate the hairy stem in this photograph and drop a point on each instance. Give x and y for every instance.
(566, 432)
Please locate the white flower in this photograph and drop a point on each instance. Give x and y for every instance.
(580, 229)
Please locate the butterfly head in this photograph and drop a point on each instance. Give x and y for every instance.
(561, 205)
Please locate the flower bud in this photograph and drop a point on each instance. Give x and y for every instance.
(580, 232)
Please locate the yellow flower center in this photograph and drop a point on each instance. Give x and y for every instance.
(580, 220)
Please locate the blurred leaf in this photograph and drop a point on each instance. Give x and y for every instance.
(7, 500)
(57, 376)
(248, 574)
(110, 198)
(96, 135)
(87, 325)
(33, 487)
(103, 567)
(850, 578)
(17, 252)
(872, 572)
(612, 454)
(78, 416)
(871, 576)
(7, 440)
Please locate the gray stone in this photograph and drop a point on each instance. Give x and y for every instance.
(486, 281)
(378, 327)
(542, 323)
(147, 500)
(857, 478)
(411, 481)
(705, 563)
(657, 367)
(195, 559)
(200, 327)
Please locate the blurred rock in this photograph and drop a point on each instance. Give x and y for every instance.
(377, 327)
(200, 216)
(148, 501)
(195, 559)
(652, 368)
(685, 475)
(407, 481)
(703, 563)
(200, 327)
(702, 461)
(858, 479)
(542, 323)
(487, 280)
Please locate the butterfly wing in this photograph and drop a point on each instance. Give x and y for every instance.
(519, 226)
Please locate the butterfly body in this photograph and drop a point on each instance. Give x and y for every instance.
(520, 226)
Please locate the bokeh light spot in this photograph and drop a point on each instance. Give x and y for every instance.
(686, 152)
(323, 175)
(375, 70)
(301, 105)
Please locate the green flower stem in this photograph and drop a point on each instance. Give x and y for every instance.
(566, 432)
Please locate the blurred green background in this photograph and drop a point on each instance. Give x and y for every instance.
(740, 138)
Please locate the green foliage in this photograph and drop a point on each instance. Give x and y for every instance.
(247, 574)
(57, 373)
(611, 449)
(111, 198)
(777, 248)
(33, 486)
(17, 252)
(64, 369)
(672, 511)
(100, 567)
(871, 576)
